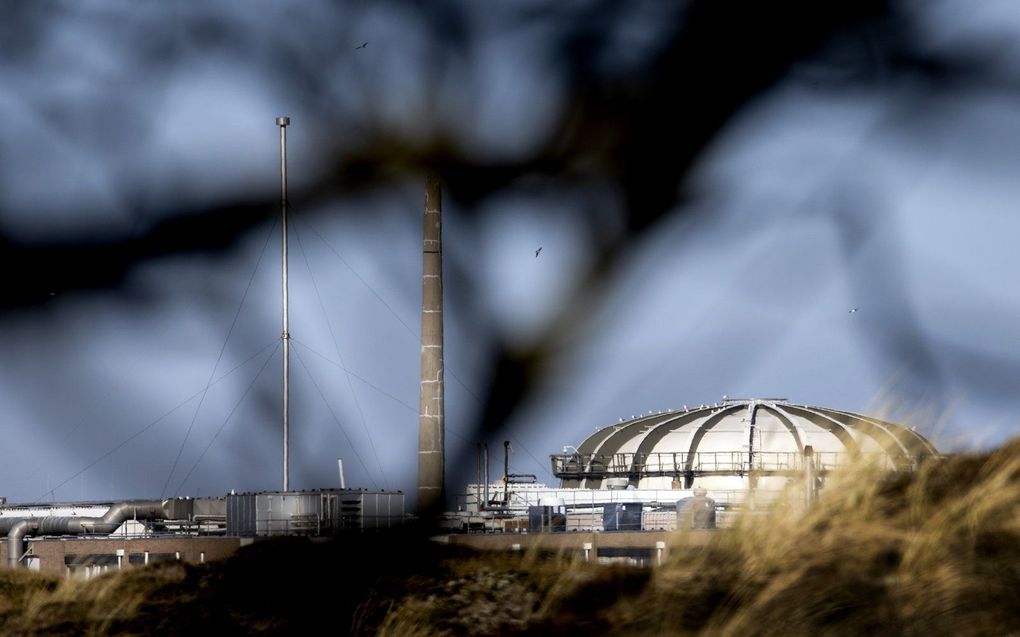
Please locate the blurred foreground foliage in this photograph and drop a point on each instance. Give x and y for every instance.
(930, 553)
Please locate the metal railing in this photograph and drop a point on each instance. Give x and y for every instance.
(576, 466)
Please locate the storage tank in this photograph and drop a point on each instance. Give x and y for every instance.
(617, 484)
(696, 512)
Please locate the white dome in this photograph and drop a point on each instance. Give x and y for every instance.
(733, 445)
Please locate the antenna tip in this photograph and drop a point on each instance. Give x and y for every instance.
(282, 121)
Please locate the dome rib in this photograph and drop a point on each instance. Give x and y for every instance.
(655, 436)
(716, 447)
(786, 423)
(700, 434)
(896, 450)
(618, 435)
(913, 442)
(592, 442)
(823, 421)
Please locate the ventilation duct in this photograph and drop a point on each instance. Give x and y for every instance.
(18, 529)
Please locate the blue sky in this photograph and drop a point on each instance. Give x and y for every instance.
(744, 289)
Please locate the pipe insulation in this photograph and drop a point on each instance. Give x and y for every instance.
(18, 529)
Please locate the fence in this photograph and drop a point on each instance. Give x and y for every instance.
(576, 466)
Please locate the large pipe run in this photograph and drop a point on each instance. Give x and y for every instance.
(18, 529)
(430, 413)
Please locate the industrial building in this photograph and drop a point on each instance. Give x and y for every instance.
(640, 478)
(92, 537)
(635, 480)
(665, 470)
(87, 538)
(735, 447)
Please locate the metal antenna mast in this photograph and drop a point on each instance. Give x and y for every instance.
(283, 122)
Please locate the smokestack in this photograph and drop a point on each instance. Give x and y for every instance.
(431, 411)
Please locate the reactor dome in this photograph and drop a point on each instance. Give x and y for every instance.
(734, 445)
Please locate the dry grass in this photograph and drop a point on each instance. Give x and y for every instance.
(933, 553)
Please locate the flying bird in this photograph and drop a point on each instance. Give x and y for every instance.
(537, 251)
(361, 46)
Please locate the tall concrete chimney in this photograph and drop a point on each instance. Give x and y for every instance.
(431, 442)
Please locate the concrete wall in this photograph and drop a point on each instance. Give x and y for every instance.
(576, 541)
(53, 551)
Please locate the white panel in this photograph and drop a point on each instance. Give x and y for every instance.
(866, 443)
(631, 444)
(730, 436)
(663, 483)
(676, 441)
(823, 441)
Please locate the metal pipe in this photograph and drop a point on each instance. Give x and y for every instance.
(753, 408)
(19, 528)
(485, 471)
(431, 409)
(16, 540)
(809, 475)
(283, 122)
(506, 472)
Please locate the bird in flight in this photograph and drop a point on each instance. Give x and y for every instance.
(361, 46)
(537, 251)
(853, 310)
